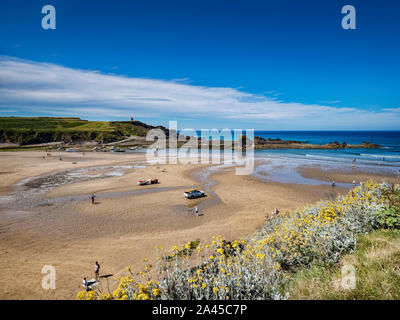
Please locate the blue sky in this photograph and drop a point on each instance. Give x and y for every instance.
(273, 65)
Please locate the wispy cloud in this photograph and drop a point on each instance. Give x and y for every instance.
(53, 89)
(391, 109)
(330, 102)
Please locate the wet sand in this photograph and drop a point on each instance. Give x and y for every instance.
(347, 176)
(62, 228)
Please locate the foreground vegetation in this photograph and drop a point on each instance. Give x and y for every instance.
(280, 260)
(36, 130)
(376, 261)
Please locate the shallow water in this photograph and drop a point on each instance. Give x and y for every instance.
(28, 192)
(269, 165)
(282, 168)
(285, 171)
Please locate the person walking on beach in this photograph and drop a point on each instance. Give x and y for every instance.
(97, 270)
(93, 198)
(197, 211)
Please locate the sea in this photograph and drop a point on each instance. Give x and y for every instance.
(281, 165)
(387, 154)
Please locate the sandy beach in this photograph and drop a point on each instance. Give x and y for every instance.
(54, 223)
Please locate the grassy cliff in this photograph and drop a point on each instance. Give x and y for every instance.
(36, 130)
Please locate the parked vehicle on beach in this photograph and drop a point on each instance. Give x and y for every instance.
(193, 194)
(148, 181)
(116, 149)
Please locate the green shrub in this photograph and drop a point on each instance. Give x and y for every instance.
(389, 217)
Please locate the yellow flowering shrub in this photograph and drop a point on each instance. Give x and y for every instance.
(258, 267)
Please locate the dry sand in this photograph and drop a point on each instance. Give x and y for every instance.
(124, 226)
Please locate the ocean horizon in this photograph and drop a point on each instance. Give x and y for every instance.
(387, 156)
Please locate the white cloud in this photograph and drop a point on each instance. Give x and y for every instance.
(57, 90)
(391, 109)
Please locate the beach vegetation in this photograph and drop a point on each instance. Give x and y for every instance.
(376, 261)
(277, 260)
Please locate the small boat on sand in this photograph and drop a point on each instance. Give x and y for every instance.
(148, 181)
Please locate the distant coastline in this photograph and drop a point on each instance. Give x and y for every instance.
(55, 132)
(261, 143)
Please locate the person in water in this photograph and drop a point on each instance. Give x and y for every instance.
(333, 183)
(353, 163)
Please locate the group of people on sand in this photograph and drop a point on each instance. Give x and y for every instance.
(87, 284)
(273, 214)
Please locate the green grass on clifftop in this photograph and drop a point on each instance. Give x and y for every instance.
(34, 130)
